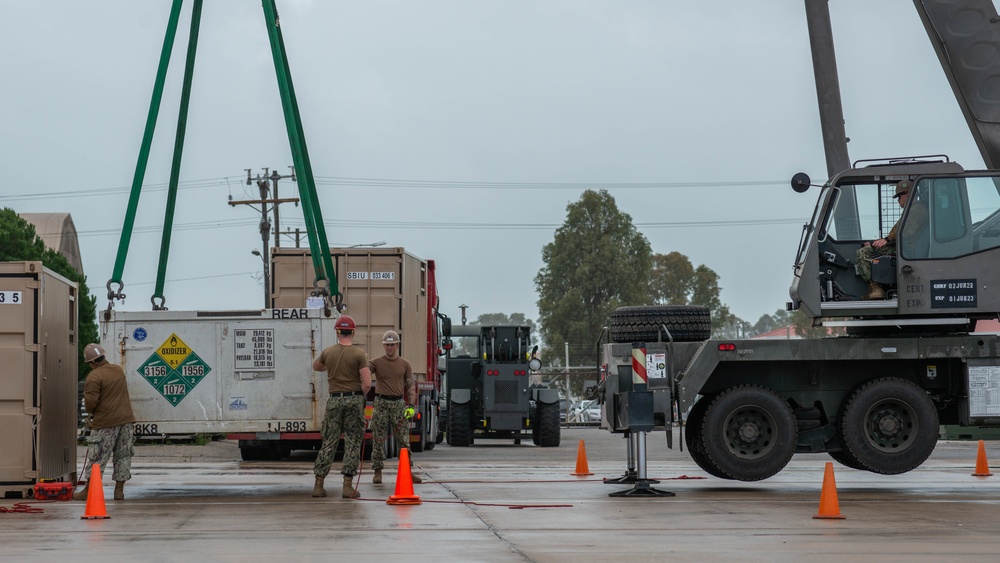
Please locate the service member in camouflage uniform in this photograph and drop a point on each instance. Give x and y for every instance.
(393, 377)
(916, 221)
(105, 396)
(349, 381)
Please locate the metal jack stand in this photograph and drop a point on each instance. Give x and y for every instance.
(642, 486)
(630, 476)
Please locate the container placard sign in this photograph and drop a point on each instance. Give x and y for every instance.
(254, 349)
(174, 369)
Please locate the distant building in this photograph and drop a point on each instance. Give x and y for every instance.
(58, 233)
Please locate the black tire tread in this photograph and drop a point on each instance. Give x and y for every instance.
(742, 469)
(549, 429)
(686, 323)
(459, 426)
(852, 429)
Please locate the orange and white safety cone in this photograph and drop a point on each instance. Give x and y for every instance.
(95, 496)
(829, 506)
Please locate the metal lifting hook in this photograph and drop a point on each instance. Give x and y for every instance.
(112, 295)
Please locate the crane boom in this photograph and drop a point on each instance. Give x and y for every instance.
(966, 40)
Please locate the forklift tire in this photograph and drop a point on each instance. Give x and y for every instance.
(686, 323)
(548, 425)
(459, 426)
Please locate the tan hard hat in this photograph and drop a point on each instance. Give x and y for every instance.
(903, 187)
(92, 352)
(390, 337)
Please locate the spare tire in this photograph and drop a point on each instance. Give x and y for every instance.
(686, 323)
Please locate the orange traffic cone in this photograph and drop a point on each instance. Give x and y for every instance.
(582, 469)
(829, 507)
(95, 496)
(982, 466)
(404, 482)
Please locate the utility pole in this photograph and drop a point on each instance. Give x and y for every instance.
(265, 184)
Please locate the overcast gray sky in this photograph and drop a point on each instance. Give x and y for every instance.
(459, 130)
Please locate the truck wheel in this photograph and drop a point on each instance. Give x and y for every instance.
(252, 453)
(431, 427)
(459, 426)
(693, 438)
(889, 425)
(548, 424)
(847, 459)
(686, 323)
(749, 433)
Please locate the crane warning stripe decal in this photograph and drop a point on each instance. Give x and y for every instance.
(174, 369)
(639, 365)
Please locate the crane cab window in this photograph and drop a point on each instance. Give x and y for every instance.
(862, 212)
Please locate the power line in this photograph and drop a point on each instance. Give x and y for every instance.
(225, 181)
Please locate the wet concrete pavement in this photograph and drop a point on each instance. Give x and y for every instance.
(500, 502)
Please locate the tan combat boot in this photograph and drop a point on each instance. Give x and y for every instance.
(414, 477)
(378, 477)
(349, 491)
(119, 490)
(318, 490)
(874, 291)
(82, 493)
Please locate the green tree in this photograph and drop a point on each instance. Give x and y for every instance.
(804, 326)
(672, 279)
(767, 323)
(597, 261)
(675, 281)
(19, 242)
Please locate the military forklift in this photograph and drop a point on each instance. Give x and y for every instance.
(488, 387)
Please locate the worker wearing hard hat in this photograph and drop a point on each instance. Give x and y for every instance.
(393, 383)
(349, 381)
(916, 222)
(105, 396)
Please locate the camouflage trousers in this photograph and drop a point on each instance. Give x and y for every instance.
(388, 414)
(864, 259)
(117, 442)
(344, 415)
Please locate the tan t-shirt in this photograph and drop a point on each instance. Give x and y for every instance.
(105, 396)
(393, 376)
(343, 367)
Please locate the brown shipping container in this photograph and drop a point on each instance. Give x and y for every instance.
(38, 384)
(383, 289)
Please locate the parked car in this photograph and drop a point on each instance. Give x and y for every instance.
(585, 411)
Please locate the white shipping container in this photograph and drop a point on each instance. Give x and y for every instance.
(222, 371)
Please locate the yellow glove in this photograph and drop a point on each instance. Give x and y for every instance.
(408, 413)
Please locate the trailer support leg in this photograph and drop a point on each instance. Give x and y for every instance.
(642, 486)
(630, 475)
